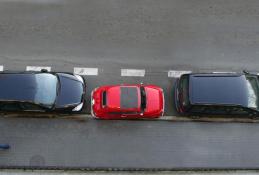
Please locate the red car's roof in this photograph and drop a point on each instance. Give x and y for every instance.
(123, 98)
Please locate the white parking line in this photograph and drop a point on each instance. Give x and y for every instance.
(85, 71)
(1, 67)
(177, 73)
(133, 72)
(37, 68)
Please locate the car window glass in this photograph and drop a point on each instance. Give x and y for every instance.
(30, 107)
(252, 91)
(104, 98)
(46, 88)
(197, 109)
(129, 112)
(218, 110)
(116, 113)
(10, 107)
(238, 111)
(184, 91)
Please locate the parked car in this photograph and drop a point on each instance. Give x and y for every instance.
(47, 92)
(127, 102)
(217, 95)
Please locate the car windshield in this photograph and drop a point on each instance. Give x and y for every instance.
(46, 89)
(143, 97)
(104, 98)
(184, 91)
(252, 91)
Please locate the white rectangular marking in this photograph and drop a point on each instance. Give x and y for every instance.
(177, 74)
(1, 67)
(37, 68)
(85, 71)
(133, 72)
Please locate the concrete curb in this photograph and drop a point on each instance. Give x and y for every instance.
(83, 117)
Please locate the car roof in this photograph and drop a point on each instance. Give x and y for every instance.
(129, 97)
(18, 86)
(218, 89)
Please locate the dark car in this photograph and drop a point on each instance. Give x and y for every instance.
(217, 94)
(48, 92)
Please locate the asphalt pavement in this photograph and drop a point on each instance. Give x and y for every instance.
(128, 145)
(155, 36)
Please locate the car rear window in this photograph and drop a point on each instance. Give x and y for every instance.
(104, 98)
(184, 91)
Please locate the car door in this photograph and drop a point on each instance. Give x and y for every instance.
(131, 115)
(10, 107)
(208, 110)
(237, 111)
(21, 109)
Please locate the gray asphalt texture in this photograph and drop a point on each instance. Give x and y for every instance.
(129, 144)
(202, 35)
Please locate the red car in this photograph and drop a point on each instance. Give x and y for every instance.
(127, 102)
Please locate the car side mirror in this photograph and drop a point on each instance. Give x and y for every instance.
(246, 72)
(44, 70)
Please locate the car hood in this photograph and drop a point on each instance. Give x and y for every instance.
(154, 100)
(70, 92)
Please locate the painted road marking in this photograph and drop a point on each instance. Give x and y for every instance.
(85, 71)
(37, 68)
(1, 67)
(133, 72)
(177, 73)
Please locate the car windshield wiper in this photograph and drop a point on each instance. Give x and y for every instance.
(143, 98)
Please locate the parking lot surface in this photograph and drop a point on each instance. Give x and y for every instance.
(122, 41)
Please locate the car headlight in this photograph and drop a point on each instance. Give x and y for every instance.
(78, 107)
(79, 78)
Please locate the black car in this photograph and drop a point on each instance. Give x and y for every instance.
(217, 94)
(47, 92)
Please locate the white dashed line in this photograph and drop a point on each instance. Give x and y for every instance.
(222, 72)
(1, 67)
(133, 72)
(85, 71)
(177, 73)
(37, 68)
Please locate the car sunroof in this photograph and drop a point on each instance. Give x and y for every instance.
(129, 97)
